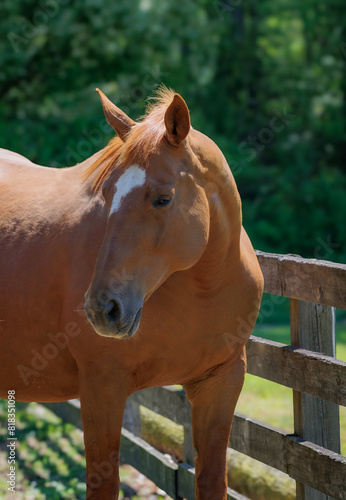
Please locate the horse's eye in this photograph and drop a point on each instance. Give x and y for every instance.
(162, 201)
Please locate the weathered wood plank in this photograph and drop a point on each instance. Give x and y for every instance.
(68, 411)
(259, 441)
(171, 404)
(295, 341)
(166, 402)
(305, 462)
(186, 481)
(312, 280)
(234, 495)
(188, 442)
(153, 464)
(316, 374)
(132, 418)
(321, 469)
(297, 396)
(321, 423)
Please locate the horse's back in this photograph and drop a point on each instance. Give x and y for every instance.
(31, 191)
(11, 163)
(20, 182)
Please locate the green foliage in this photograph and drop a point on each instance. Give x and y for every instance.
(266, 80)
(50, 459)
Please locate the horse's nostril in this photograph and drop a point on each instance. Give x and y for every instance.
(112, 311)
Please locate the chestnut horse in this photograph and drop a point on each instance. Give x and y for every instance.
(149, 229)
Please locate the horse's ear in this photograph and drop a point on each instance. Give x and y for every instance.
(177, 120)
(116, 118)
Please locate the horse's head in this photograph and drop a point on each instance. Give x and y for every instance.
(158, 213)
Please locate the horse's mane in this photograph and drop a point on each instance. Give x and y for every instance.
(142, 140)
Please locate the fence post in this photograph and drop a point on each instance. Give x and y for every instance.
(188, 440)
(132, 418)
(183, 474)
(316, 420)
(297, 396)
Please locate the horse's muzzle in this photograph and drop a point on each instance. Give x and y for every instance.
(113, 318)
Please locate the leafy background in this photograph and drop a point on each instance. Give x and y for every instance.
(236, 62)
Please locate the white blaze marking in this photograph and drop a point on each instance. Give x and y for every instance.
(133, 177)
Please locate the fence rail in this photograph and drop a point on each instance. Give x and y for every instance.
(285, 365)
(311, 280)
(310, 455)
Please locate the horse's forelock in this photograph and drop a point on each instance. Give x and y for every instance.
(142, 140)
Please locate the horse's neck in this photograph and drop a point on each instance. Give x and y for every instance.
(223, 247)
(212, 273)
(81, 169)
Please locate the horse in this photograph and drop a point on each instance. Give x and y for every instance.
(129, 270)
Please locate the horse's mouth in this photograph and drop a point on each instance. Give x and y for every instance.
(135, 324)
(116, 331)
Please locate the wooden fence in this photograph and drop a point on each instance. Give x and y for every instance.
(310, 455)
